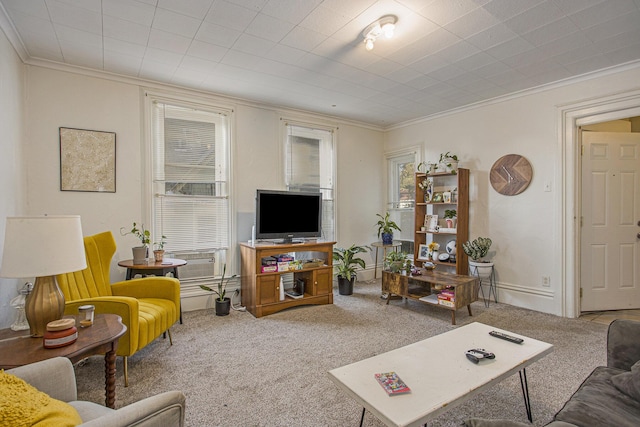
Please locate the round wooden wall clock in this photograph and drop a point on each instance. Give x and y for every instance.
(511, 174)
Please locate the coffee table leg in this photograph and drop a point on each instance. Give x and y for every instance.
(110, 378)
(525, 393)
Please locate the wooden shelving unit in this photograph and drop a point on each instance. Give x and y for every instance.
(444, 182)
(261, 291)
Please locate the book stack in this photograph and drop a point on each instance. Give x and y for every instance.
(269, 265)
(60, 333)
(447, 297)
(283, 261)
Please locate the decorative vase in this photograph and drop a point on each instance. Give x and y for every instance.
(434, 255)
(387, 238)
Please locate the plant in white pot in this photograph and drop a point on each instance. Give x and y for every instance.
(448, 162)
(140, 253)
(476, 250)
(222, 302)
(346, 262)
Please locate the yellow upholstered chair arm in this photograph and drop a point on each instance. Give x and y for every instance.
(125, 307)
(149, 287)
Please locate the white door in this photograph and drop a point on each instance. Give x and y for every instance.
(610, 248)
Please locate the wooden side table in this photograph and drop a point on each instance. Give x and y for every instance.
(18, 348)
(153, 268)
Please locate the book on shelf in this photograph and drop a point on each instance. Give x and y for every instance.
(293, 294)
(391, 383)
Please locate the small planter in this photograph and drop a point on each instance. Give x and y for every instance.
(158, 255)
(387, 238)
(223, 307)
(139, 255)
(345, 287)
(480, 269)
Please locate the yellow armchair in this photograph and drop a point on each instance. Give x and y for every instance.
(148, 306)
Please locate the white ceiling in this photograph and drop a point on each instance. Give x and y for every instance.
(309, 54)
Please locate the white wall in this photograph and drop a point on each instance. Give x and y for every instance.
(12, 181)
(525, 229)
(59, 98)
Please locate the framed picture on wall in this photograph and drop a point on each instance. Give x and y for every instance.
(87, 160)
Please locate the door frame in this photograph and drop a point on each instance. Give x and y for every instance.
(573, 116)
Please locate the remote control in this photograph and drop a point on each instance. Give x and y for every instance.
(479, 353)
(506, 337)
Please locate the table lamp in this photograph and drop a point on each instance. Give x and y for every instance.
(42, 247)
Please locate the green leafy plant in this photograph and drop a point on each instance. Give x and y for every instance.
(139, 231)
(347, 261)
(222, 285)
(448, 156)
(160, 244)
(395, 261)
(386, 225)
(478, 248)
(450, 213)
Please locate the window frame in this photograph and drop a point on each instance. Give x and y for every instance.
(148, 195)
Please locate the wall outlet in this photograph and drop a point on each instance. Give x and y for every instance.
(546, 281)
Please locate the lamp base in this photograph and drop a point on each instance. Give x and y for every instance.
(44, 304)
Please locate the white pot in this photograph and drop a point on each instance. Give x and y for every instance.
(479, 269)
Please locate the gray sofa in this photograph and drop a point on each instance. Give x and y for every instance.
(56, 377)
(610, 396)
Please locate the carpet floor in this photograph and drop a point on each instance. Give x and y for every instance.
(237, 370)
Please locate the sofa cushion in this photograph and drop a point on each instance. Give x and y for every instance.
(24, 405)
(629, 382)
(597, 402)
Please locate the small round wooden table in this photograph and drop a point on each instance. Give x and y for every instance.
(18, 349)
(152, 268)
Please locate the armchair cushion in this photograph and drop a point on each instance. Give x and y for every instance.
(629, 382)
(24, 405)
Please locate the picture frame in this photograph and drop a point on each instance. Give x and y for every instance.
(446, 197)
(431, 222)
(437, 197)
(423, 253)
(87, 160)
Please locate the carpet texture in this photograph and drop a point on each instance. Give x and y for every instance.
(241, 371)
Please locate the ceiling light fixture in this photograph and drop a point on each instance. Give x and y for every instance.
(384, 25)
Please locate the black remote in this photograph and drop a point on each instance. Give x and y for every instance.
(506, 337)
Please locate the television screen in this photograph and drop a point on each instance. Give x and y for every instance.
(288, 215)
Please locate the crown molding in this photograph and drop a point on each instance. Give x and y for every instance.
(10, 31)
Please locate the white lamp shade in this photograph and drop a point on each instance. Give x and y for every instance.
(41, 246)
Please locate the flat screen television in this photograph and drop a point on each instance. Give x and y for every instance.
(288, 215)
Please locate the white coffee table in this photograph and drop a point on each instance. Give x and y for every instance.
(438, 373)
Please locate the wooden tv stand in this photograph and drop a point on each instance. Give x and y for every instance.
(261, 291)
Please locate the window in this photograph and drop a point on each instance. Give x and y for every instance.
(401, 194)
(190, 185)
(309, 167)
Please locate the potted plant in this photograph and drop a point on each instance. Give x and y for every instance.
(450, 217)
(385, 228)
(395, 261)
(140, 253)
(426, 185)
(158, 253)
(476, 250)
(223, 303)
(448, 162)
(428, 166)
(346, 262)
